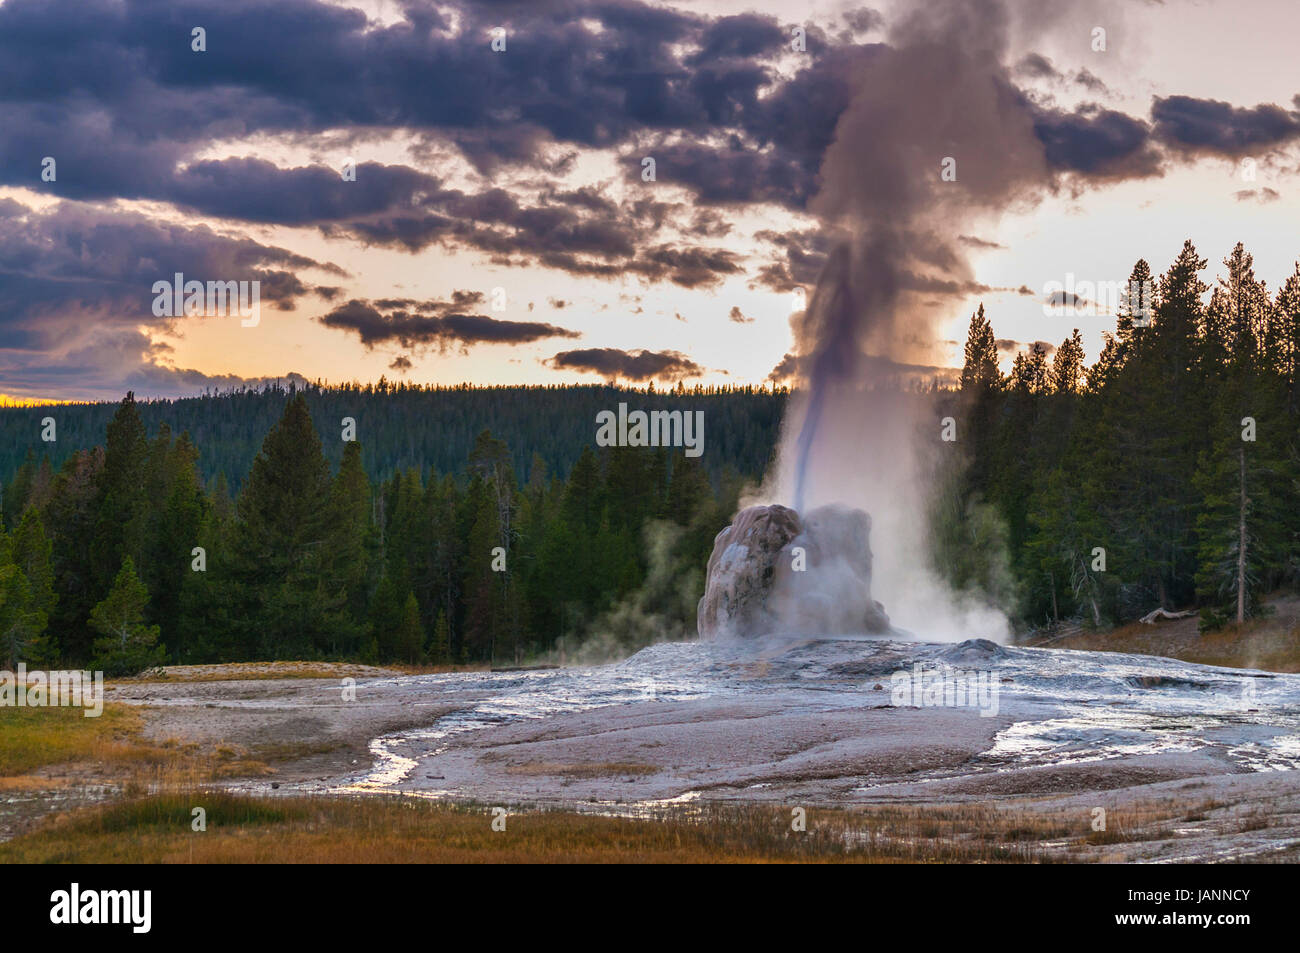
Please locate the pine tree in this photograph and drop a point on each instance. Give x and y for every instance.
(19, 490)
(127, 644)
(178, 511)
(409, 638)
(70, 518)
(26, 593)
(1243, 522)
(386, 606)
(122, 503)
(980, 369)
(440, 649)
(1067, 366)
(282, 538)
(352, 543)
(484, 593)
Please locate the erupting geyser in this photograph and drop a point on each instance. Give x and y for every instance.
(773, 573)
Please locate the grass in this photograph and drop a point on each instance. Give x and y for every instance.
(157, 829)
(32, 738)
(244, 829)
(111, 746)
(265, 671)
(1269, 643)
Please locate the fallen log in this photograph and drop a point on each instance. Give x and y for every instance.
(1150, 617)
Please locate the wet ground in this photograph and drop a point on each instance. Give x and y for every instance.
(829, 721)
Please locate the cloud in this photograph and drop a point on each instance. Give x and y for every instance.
(433, 323)
(970, 241)
(1263, 195)
(877, 368)
(1010, 346)
(114, 92)
(1037, 66)
(1093, 142)
(614, 363)
(1211, 126)
(76, 290)
(743, 36)
(1065, 299)
(863, 19)
(736, 315)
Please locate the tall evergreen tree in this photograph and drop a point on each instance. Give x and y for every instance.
(127, 644)
(281, 538)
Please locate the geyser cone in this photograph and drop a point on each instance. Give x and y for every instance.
(772, 573)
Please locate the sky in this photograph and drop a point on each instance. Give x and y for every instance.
(501, 226)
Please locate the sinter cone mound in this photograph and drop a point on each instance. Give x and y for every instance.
(772, 572)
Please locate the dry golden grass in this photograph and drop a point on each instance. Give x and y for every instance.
(32, 738)
(408, 669)
(157, 829)
(29, 782)
(62, 741)
(1270, 643)
(266, 671)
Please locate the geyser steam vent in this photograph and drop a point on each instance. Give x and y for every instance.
(773, 573)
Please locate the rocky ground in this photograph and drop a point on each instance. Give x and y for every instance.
(1187, 761)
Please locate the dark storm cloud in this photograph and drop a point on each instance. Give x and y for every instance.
(434, 323)
(744, 36)
(613, 363)
(1095, 142)
(112, 90)
(735, 175)
(257, 191)
(1207, 125)
(863, 19)
(804, 253)
(76, 289)
(1090, 81)
(71, 264)
(1037, 66)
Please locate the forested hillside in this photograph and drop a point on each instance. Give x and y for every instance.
(127, 548)
(404, 426)
(468, 525)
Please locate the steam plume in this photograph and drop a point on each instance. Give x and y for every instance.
(937, 96)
